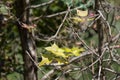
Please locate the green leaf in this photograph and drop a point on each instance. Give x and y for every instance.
(68, 2)
(114, 2)
(90, 3)
(14, 76)
(3, 9)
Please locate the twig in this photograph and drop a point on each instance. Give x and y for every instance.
(34, 62)
(95, 60)
(110, 70)
(56, 14)
(59, 28)
(86, 44)
(99, 73)
(97, 17)
(48, 74)
(107, 23)
(61, 23)
(84, 54)
(115, 39)
(73, 69)
(40, 5)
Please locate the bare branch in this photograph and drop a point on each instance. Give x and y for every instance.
(55, 14)
(84, 54)
(34, 62)
(110, 70)
(40, 5)
(107, 23)
(59, 28)
(86, 44)
(47, 75)
(61, 23)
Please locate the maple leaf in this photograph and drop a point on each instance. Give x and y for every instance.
(54, 49)
(45, 60)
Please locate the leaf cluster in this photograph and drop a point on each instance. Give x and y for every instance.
(59, 55)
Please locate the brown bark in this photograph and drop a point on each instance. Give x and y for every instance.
(100, 76)
(27, 40)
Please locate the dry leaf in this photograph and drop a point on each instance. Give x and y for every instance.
(26, 26)
(82, 13)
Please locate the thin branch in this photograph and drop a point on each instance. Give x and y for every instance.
(87, 66)
(35, 62)
(40, 5)
(99, 73)
(61, 24)
(59, 28)
(70, 70)
(107, 23)
(56, 14)
(110, 70)
(95, 60)
(86, 44)
(115, 39)
(48, 74)
(97, 17)
(81, 55)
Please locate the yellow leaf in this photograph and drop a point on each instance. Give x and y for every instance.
(44, 61)
(76, 20)
(56, 50)
(68, 52)
(90, 19)
(76, 51)
(61, 61)
(49, 56)
(82, 13)
(67, 49)
(82, 49)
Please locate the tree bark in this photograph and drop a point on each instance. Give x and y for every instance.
(99, 24)
(27, 40)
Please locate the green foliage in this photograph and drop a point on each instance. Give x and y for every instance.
(14, 76)
(83, 4)
(4, 9)
(11, 60)
(114, 2)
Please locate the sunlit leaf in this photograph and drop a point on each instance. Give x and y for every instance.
(44, 61)
(56, 50)
(77, 19)
(67, 49)
(61, 61)
(76, 51)
(90, 19)
(68, 52)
